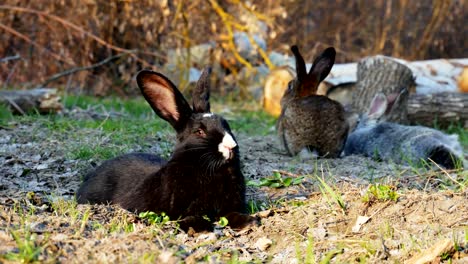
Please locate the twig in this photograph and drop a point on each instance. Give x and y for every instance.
(10, 74)
(27, 39)
(229, 24)
(76, 28)
(380, 209)
(448, 175)
(65, 23)
(83, 68)
(439, 13)
(10, 58)
(17, 107)
(262, 53)
(287, 173)
(350, 55)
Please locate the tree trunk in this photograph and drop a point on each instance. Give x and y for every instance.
(382, 74)
(41, 100)
(440, 109)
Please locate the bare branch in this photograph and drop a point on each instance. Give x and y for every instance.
(74, 27)
(83, 68)
(27, 39)
(225, 17)
(10, 58)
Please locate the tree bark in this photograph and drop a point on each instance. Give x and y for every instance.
(40, 100)
(440, 109)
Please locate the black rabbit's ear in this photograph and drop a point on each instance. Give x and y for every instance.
(201, 93)
(165, 99)
(321, 68)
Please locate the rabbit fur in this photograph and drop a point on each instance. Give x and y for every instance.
(401, 144)
(311, 121)
(201, 179)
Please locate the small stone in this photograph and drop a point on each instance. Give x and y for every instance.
(59, 237)
(263, 243)
(166, 257)
(265, 214)
(207, 237)
(42, 166)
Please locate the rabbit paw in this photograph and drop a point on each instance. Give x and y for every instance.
(238, 221)
(195, 224)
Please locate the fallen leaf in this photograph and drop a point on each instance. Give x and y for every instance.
(319, 233)
(360, 221)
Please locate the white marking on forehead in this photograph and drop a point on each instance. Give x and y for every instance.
(226, 145)
(208, 115)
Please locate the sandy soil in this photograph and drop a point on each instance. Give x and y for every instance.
(299, 224)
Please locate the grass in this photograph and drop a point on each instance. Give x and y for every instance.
(28, 246)
(137, 107)
(246, 117)
(5, 115)
(119, 224)
(154, 218)
(65, 208)
(276, 181)
(332, 196)
(28, 250)
(254, 206)
(380, 193)
(134, 127)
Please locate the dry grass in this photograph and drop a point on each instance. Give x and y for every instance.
(54, 36)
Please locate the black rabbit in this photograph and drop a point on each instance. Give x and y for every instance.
(201, 179)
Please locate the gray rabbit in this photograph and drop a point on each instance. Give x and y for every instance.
(308, 120)
(375, 138)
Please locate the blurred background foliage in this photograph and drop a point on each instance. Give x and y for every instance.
(97, 46)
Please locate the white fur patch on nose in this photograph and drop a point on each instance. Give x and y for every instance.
(226, 145)
(208, 115)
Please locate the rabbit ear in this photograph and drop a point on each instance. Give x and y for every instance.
(201, 93)
(321, 68)
(378, 106)
(301, 73)
(165, 99)
(396, 99)
(300, 64)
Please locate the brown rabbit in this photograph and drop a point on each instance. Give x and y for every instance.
(309, 120)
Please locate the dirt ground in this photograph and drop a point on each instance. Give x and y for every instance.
(299, 223)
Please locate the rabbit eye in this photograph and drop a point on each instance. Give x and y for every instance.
(200, 132)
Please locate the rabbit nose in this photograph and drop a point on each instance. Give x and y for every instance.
(226, 146)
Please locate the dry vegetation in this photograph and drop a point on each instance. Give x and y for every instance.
(104, 43)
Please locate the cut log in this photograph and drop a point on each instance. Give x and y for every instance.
(441, 109)
(386, 75)
(275, 85)
(39, 100)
